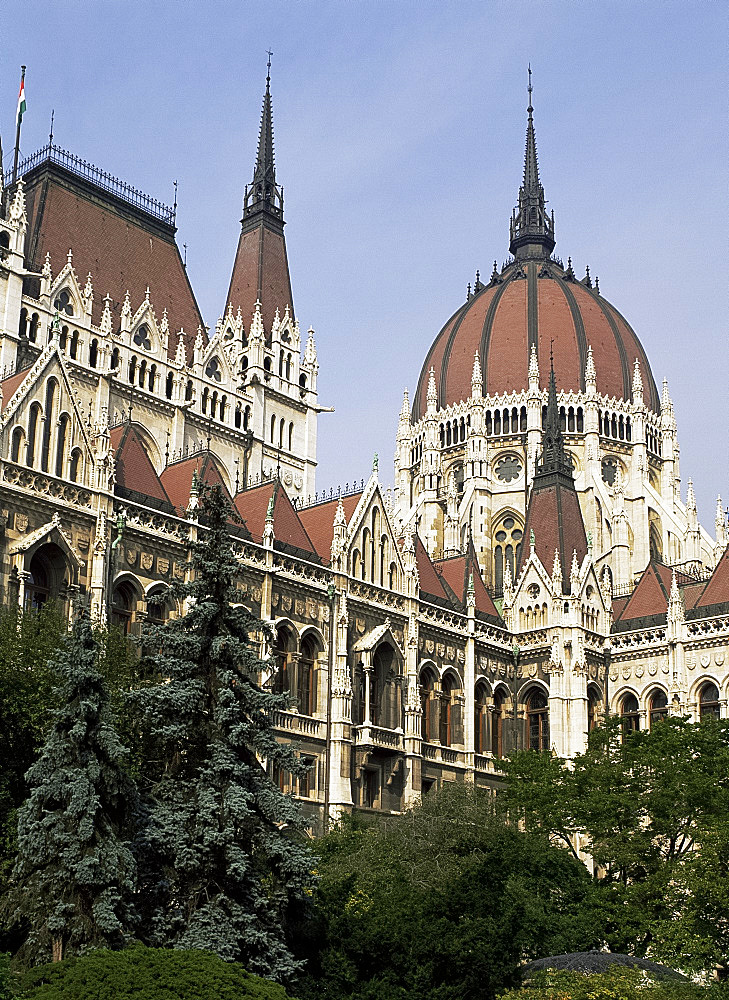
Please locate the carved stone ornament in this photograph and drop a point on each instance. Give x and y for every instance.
(131, 555)
(593, 671)
(179, 571)
(286, 603)
(275, 599)
(82, 543)
(719, 658)
(451, 652)
(360, 625)
(613, 674)
(312, 608)
(21, 522)
(429, 646)
(147, 560)
(705, 659)
(298, 481)
(532, 670)
(440, 648)
(691, 662)
(301, 608)
(626, 672)
(163, 566)
(652, 669)
(256, 593)
(664, 668)
(461, 656)
(639, 670)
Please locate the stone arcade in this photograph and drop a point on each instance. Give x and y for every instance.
(534, 566)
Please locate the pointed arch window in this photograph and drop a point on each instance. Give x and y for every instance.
(213, 370)
(142, 337)
(497, 725)
(709, 707)
(538, 721)
(15, 444)
(630, 714)
(63, 302)
(428, 706)
(51, 386)
(93, 353)
(480, 719)
(658, 707)
(61, 443)
(75, 465)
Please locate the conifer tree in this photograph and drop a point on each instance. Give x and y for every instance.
(224, 859)
(74, 878)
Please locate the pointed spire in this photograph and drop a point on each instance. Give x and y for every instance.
(532, 228)
(590, 374)
(720, 522)
(405, 408)
(533, 367)
(17, 209)
(264, 194)
(181, 353)
(471, 591)
(676, 609)
(554, 457)
(89, 288)
(690, 497)
(268, 533)
(574, 573)
(106, 325)
(46, 272)
(557, 572)
(432, 394)
(637, 384)
(476, 378)
(310, 352)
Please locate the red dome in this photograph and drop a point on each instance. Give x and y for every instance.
(534, 302)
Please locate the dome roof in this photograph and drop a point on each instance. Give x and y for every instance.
(534, 302)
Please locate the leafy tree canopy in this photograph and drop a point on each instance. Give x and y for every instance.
(146, 974)
(615, 984)
(443, 902)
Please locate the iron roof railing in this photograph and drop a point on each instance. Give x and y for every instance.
(51, 153)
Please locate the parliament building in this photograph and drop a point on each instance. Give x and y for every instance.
(532, 567)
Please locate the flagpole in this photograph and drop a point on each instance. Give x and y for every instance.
(17, 131)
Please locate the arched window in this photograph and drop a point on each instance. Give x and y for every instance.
(238, 416)
(34, 321)
(273, 428)
(538, 721)
(133, 369)
(169, 383)
(448, 713)
(213, 370)
(302, 380)
(267, 364)
(593, 708)
(381, 707)
(61, 443)
(214, 404)
(281, 681)
(142, 373)
(73, 347)
(291, 437)
(507, 550)
(288, 367)
(428, 705)
(281, 430)
(32, 433)
(151, 377)
(709, 707)
(630, 714)
(223, 406)
(115, 358)
(157, 607)
(480, 719)
(188, 391)
(306, 679)
(281, 364)
(51, 386)
(74, 465)
(246, 418)
(658, 707)
(94, 353)
(48, 577)
(15, 444)
(204, 400)
(497, 725)
(123, 605)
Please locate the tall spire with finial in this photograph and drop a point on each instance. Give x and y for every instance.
(264, 193)
(261, 269)
(532, 228)
(554, 457)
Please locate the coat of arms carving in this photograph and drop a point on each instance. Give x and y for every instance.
(147, 561)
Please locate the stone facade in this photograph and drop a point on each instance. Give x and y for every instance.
(534, 566)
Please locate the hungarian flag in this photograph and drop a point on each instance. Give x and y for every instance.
(21, 101)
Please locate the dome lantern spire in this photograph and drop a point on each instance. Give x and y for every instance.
(531, 230)
(263, 193)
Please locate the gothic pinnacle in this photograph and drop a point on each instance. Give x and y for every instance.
(432, 394)
(476, 377)
(637, 383)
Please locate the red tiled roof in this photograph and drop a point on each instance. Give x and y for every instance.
(430, 581)
(318, 521)
(252, 505)
(117, 243)
(261, 270)
(555, 517)
(717, 589)
(502, 321)
(134, 469)
(651, 594)
(456, 573)
(177, 478)
(11, 383)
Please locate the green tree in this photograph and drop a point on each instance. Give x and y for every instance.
(140, 973)
(223, 861)
(74, 876)
(645, 805)
(28, 643)
(442, 903)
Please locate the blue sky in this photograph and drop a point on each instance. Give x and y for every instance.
(399, 132)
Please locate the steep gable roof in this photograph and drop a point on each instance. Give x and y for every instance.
(555, 517)
(717, 589)
(177, 478)
(431, 582)
(134, 469)
(122, 246)
(318, 522)
(252, 505)
(457, 572)
(11, 383)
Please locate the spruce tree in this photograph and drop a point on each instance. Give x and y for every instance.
(222, 847)
(74, 878)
